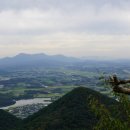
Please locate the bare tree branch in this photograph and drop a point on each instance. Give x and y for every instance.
(115, 82)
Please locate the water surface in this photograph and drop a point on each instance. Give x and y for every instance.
(45, 101)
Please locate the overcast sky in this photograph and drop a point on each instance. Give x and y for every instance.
(79, 28)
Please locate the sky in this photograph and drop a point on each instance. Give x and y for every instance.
(79, 28)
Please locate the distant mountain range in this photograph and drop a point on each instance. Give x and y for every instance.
(71, 112)
(28, 61)
(35, 60)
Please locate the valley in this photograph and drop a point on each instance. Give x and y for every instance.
(53, 82)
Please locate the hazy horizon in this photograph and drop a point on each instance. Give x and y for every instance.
(77, 28)
(98, 58)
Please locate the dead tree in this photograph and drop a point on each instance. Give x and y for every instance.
(118, 85)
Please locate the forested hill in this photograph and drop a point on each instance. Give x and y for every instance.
(8, 121)
(71, 112)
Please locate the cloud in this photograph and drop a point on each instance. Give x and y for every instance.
(71, 27)
(71, 45)
(85, 18)
(60, 4)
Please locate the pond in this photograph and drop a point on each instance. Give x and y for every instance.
(45, 101)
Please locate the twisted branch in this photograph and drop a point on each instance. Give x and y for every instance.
(115, 82)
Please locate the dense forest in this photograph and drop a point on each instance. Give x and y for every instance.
(9, 122)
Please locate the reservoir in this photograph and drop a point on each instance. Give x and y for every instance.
(45, 101)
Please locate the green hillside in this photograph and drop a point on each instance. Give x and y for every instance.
(8, 121)
(71, 112)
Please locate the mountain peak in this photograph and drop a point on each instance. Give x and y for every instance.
(22, 54)
(26, 54)
(24, 60)
(71, 112)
